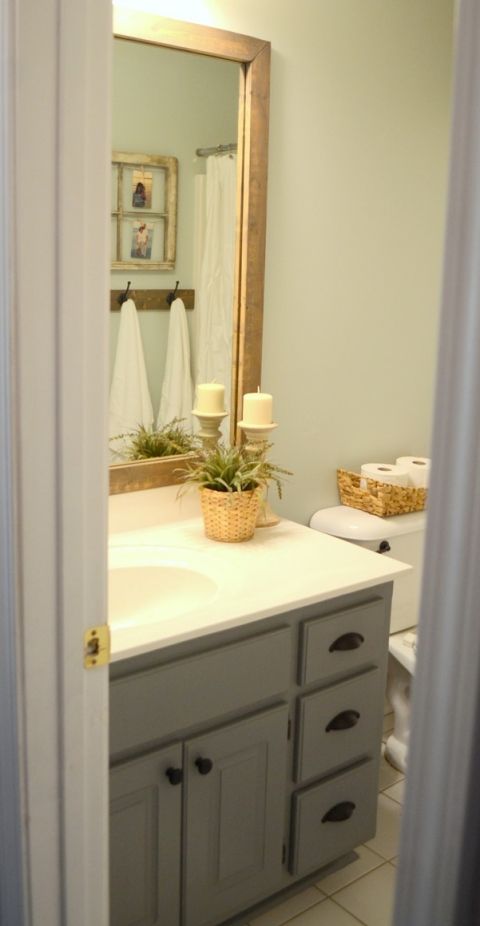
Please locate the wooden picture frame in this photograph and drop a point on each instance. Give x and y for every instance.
(168, 166)
(254, 57)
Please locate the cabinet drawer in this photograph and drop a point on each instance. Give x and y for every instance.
(339, 725)
(148, 706)
(343, 642)
(331, 818)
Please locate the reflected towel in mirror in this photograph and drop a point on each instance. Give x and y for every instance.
(130, 402)
(176, 396)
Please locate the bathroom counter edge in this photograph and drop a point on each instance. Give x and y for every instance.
(282, 567)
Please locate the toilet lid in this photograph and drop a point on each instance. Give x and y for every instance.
(402, 651)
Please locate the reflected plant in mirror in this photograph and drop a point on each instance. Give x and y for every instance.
(144, 443)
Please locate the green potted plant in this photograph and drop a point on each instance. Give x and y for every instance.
(231, 481)
(144, 443)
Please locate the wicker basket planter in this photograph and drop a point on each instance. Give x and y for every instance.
(230, 516)
(379, 498)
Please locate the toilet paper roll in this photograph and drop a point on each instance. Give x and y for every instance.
(418, 469)
(393, 473)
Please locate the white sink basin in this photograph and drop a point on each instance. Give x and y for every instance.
(149, 584)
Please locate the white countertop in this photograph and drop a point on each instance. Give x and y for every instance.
(280, 568)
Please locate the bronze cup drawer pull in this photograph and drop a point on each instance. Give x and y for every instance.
(346, 642)
(339, 812)
(343, 721)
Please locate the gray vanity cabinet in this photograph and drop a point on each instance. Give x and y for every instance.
(245, 762)
(234, 822)
(145, 822)
(232, 783)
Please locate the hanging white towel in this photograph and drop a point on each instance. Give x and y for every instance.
(176, 397)
(130, 402)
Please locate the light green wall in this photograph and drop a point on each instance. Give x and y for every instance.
(357, 290)
(357, 182)
(168, 102)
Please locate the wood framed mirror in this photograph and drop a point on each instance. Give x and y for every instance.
(254, 57)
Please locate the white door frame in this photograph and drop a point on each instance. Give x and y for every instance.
(438, 874)
(54, 252)
(11, 843)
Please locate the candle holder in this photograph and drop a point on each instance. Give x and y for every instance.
(257, 435)
(209, 432)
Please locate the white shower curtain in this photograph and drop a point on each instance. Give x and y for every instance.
(214, 298)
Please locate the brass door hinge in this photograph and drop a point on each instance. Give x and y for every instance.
(96, 646)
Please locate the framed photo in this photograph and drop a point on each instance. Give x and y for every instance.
(142, 182)
(141, 189)
(142, 239)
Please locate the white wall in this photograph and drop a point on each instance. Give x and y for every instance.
(357, 184)
(169, 102)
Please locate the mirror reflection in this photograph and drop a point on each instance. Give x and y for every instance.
(184, 106)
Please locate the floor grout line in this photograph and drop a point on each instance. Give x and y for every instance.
(381, 861)
(353, 915)
(373, 851)
(301, 912)
(319, 889)
(392, 799)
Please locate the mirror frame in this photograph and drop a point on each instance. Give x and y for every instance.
(253, 117)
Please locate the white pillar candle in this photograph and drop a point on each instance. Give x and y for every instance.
(210, 398)
(257, 408)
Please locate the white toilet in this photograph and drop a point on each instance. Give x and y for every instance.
(401, 537)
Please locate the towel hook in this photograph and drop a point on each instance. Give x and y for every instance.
(172, 296)
(124, 296)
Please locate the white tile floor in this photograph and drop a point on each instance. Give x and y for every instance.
(363, 892)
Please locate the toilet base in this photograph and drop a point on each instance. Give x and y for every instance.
(398, 693)
(396, 753)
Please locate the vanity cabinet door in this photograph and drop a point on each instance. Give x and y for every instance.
(145, 823)
(235, 816)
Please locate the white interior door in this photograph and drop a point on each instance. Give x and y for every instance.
(54, 256)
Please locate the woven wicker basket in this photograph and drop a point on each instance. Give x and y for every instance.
(379, 498)
(230, 516)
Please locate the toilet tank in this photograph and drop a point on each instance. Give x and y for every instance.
(401, 537)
